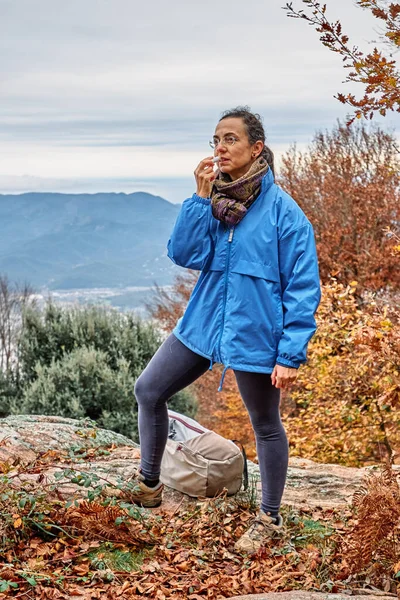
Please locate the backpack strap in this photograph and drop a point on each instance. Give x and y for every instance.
(245, 469)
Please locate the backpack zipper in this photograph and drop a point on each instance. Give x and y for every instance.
(187, 424)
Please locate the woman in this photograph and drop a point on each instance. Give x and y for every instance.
(252, 309)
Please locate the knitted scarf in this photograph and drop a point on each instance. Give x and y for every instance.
(230, 200)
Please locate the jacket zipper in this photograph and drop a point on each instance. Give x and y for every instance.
(228, 260)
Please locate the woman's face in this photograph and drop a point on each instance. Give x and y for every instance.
(235, 160)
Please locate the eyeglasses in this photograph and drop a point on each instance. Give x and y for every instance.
(228, 140)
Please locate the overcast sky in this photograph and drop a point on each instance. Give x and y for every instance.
(122, 95)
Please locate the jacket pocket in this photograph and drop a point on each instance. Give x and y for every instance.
(255, 269)
(260, 285)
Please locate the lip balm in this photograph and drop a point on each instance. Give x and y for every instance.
(216, 160)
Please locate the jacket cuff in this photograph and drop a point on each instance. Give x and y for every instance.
(201, 200)
(287, 363)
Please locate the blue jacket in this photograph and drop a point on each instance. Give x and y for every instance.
(254, 303)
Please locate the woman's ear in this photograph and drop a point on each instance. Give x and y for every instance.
(257, 149)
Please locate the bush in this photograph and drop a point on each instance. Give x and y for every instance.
(82, 384)
(50, 334)
(347, 396)
(84, 363)
(8, 393)
(347, 183)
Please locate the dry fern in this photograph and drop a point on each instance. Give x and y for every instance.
(107, 522)
(376, 535)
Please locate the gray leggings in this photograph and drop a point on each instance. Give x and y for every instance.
(172, 368)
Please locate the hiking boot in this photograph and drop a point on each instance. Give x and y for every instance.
(259, 533)
(137, 492)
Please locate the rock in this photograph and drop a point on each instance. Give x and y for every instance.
(61, 443)
(323, 485)
(297, 595)
(26, 436)
(311, 485)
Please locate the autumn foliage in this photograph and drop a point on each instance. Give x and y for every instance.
(347, 183)
(100, 546)
(375, 537)
(345, 407)
(376, 70)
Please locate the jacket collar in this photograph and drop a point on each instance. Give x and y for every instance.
(267, 181)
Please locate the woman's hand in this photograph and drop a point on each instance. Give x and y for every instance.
(283, 377)
(205, 175)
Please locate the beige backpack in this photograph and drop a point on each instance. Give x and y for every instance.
(199, 462)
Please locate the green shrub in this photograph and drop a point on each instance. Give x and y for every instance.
(8, 393)
(82, 384)
(50, 334)
(84, 363)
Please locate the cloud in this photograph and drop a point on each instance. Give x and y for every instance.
(121, 91)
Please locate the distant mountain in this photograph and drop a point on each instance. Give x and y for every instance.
(66, 241)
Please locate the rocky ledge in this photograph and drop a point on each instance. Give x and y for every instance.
(63, 443)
